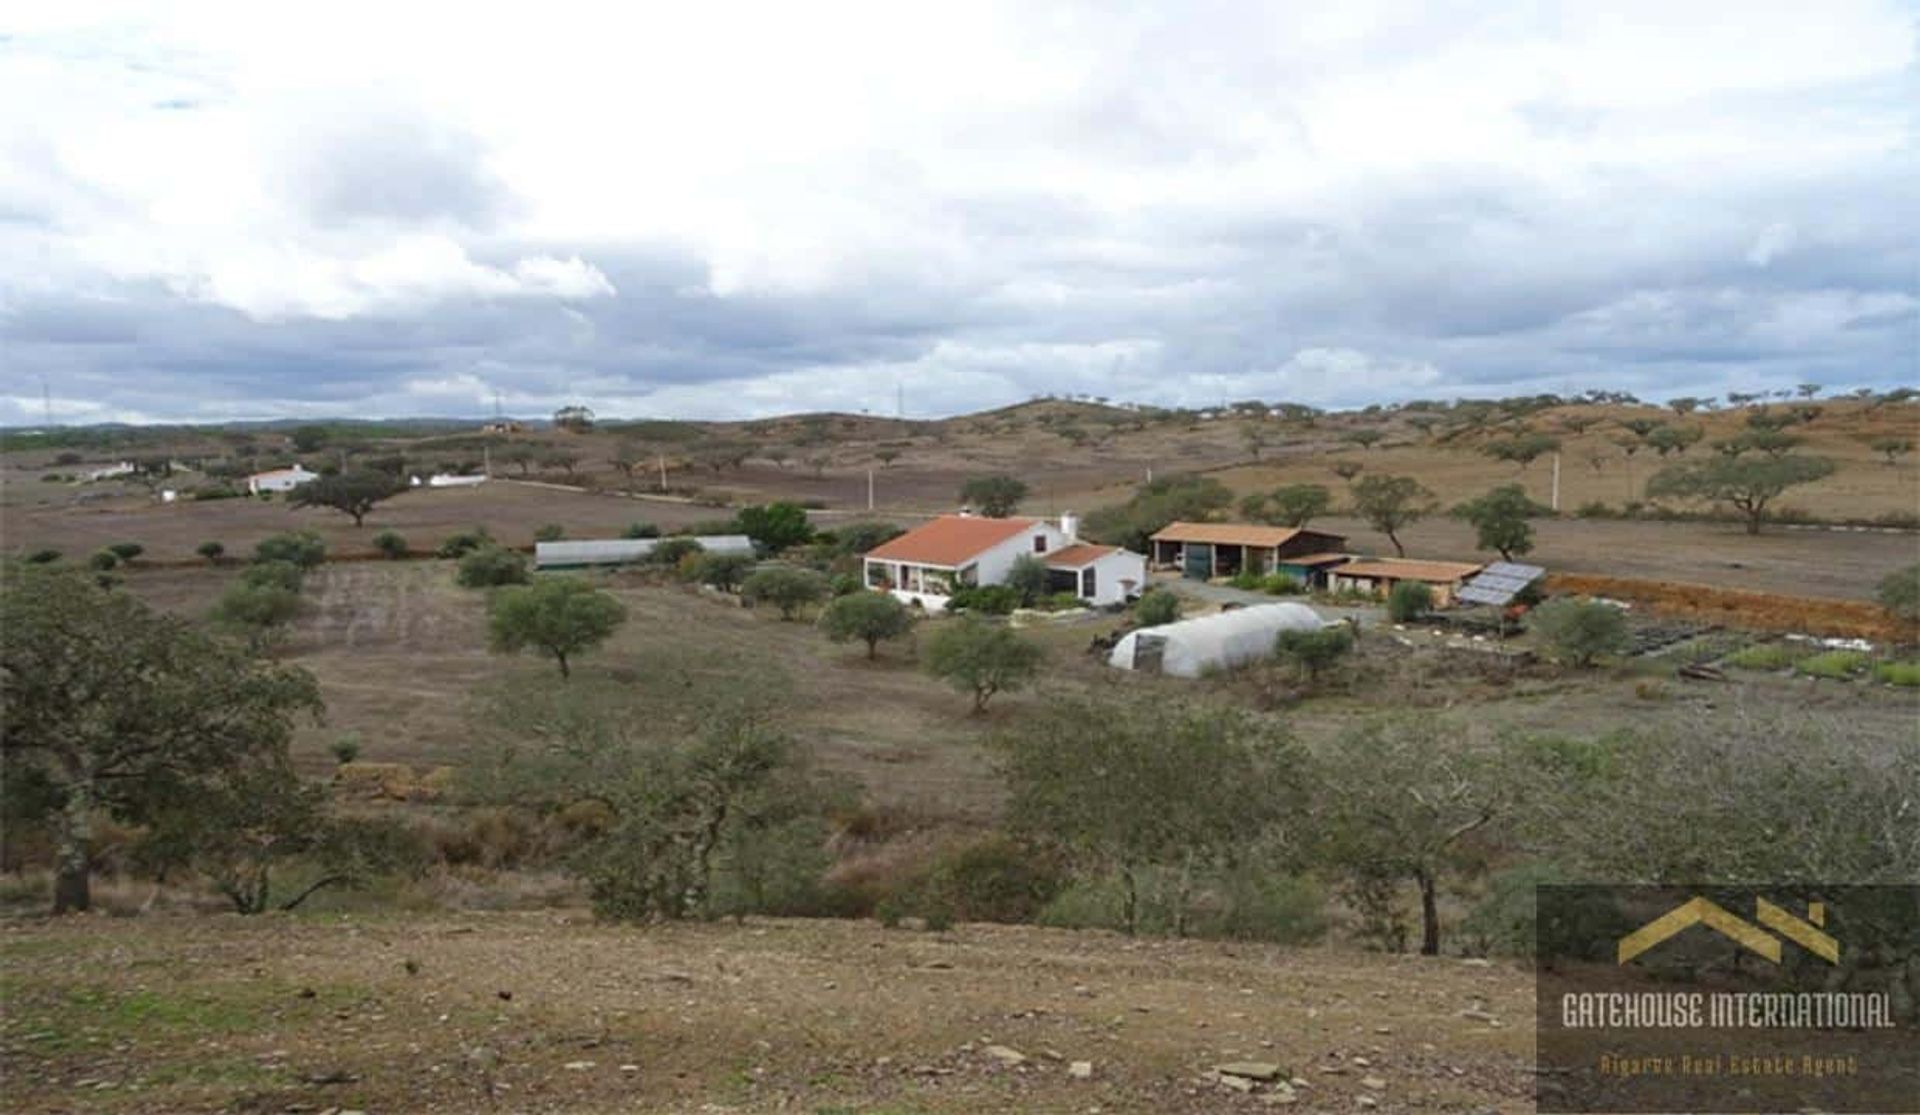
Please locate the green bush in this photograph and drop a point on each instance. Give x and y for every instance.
(1312, 652)
(993, 878)
(256, 607)
(1156, 607)
(1408, 601)
(670, 552)
(212, 551)
(846, 584)
(1595, 509)
(785, 588)
(467, 541)
(303, 548)
(1904, 674)
(723, 571)
(1249, 580)
(1765, 656)
(274, 574)
(346, 748)
(992, 600)
(103, 560)
(1577, 631)
(490, 566)
(127, 551)
(549, 532)
(391, 543)
(216, 491)
(1281, 584)
(640, 530)
(1060, 602)
(1838, 665)
(44, 557)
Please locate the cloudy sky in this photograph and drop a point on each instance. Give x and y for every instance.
(715, 210)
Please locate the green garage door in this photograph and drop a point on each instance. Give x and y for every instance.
(1199, 563)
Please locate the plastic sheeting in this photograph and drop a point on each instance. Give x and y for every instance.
(1191, 646)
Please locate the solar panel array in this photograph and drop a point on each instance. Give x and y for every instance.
(1499, 583)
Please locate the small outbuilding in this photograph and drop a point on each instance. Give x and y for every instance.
(1192, 646)
(1205, 550)
(1377, 576)
(586, 553)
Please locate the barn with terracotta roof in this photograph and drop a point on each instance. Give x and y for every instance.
(924, 565)
(1206, 550)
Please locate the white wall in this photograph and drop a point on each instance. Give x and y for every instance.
(284, 482)
(996, 563)
(1111, 570)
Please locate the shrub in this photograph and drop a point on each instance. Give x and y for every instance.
(1156, 607)
(846, 584)
(992, 600)
(1505, 920)
(723, 571)
(303, 548)
(212, 551)
(346, 748)
(1281, 584)
(857, 538)
(1577, 631)
(1313, 652)
(1837, 665)
(1899, 594)
(490, 566)
(1249, 904)
(1249, 580)
(1061, 602)
(670, 552)
(391, 543)
(257, 608)
(1595, 509)
(785, 588)
(274, 574)
(216, 491)
(467, 541)
(994, 878)
(44, 557)
(549, 532)
(1765, 656)
(1408, 601)
(103, 560)
(1903, 674)
(127, 551)
(775, 526)
(640, 530)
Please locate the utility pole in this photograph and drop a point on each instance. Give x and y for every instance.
(869, 487)
(1556, 481)
(663, 471)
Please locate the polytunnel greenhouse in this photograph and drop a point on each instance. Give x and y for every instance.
(1188, 648)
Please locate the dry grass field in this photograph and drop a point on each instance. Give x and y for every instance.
(548, 1012)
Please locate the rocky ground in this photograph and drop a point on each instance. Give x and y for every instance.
(552, 1012)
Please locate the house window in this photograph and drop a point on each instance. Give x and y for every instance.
(1086, 583)
(1039, 543)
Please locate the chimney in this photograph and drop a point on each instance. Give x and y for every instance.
(1070, 526)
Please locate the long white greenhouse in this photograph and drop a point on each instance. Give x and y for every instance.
(1192, 646)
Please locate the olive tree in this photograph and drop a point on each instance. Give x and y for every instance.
(1390, 504)
(1125, 788)
(1294, 505)
(1394, 801)
(995, 496)
(1749, 484)
(116, 707)
(353, 493)
(1577, 631)
(560, 617)
(1499, 520)
(981, 658)
(1028, 576)
(785, 588)
(869, 617)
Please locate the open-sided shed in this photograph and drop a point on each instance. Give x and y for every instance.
(1188, 648)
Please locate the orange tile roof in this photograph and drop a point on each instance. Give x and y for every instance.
(1316, 559)
(1401, 569)
(1227, 534)
(1079, 554)
(951, 540)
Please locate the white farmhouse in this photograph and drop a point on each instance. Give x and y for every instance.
(923, 565)
(279, 480)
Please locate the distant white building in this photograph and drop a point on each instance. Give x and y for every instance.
(449, 480)
(925, 565)
(279, 480)
(124, 468)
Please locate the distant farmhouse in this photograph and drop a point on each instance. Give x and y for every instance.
(503, 426)
(279, 480)
(924, 565)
